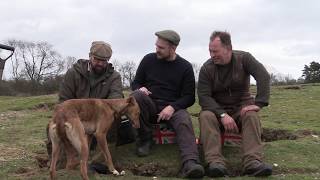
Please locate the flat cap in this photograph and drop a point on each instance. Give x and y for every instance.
(101, 50)
(169, 35)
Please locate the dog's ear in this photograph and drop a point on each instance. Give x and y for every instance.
(131, 100)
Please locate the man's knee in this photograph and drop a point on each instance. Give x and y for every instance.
(250, 116)
(208, 117)
(249, 120)
(182, 116)
(138, 95)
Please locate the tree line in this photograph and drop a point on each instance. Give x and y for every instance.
(310, 74)
(36, 68)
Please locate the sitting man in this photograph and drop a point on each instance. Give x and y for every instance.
(223, 90)
(164, 87)
(93, 78)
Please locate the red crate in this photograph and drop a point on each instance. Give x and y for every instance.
(231, 139)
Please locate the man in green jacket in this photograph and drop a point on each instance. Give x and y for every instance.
(93, 78)
(227, 105)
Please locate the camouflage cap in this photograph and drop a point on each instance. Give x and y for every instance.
(101, 50)
(169, 35)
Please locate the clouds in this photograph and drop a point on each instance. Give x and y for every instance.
(281, 34)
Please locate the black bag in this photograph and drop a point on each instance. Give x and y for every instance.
(126, 133)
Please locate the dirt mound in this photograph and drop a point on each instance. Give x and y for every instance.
(294, 87)
(44, 106)
(277, 134)
(42, 161)
(24, 172)
(152, 169)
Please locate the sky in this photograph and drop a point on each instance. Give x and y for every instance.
(284, 35)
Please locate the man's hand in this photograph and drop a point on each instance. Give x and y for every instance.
(229, 124)
(245, 109)
(166, 113)
(145, 91)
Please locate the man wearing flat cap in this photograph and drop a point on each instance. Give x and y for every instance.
(93, 78)
(164, 87)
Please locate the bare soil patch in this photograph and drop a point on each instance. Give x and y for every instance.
(25, 172)
(277, 134)
(152, 169)
(11, 153)
(44, 106)
(42, 160)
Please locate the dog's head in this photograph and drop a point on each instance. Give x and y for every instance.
(133, 111)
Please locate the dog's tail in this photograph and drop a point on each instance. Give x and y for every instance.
(73, 134)
(60, 120)
(67, 133)
(52, 132)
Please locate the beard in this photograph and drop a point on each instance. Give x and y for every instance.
(99, 70)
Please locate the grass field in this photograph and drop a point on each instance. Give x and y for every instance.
(291, 111)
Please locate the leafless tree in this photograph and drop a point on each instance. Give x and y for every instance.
(69, 62)
(196, 69)
(116, 64)
(35, 61)
(127, 71)
(281, 79)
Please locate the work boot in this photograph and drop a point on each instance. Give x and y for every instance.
(143, 147)
(216, 170)
(258, 169)
(191, 169)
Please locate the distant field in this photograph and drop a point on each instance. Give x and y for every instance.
(293, 114)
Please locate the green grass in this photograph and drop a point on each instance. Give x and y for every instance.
(8, 103)
(23, 123)
(293, 109)
(303, 154)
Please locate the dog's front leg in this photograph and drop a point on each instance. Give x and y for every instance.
(102, 142)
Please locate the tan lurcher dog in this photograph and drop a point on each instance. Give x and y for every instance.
(76, 120)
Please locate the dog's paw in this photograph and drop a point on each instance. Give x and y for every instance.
(115, 172)
(122, 173)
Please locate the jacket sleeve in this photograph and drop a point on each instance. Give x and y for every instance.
(67, 86)
(187, 98)
(140, 76)
(206, 101)
(262, 77)
(116, 88)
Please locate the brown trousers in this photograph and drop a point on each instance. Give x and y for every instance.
(210, 134)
